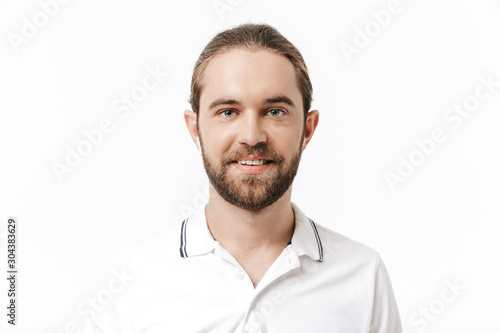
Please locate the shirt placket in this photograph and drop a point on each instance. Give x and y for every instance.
(261, 307)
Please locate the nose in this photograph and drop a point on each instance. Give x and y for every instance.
(251, 129)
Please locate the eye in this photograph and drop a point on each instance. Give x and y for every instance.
(227, 113)
(276, 112)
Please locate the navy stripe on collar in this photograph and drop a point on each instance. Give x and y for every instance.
(318, 240)
(183, 239)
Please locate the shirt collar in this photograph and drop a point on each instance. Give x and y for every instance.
(196, 240)
(305, 239)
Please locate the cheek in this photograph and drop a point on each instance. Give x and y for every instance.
(215, 142)
(287, 141)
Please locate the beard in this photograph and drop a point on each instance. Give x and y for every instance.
(252, 192)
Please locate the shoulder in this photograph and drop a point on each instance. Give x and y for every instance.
(337, 247)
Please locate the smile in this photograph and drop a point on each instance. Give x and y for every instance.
(253, 162)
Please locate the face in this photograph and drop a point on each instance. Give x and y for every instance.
(251, 126)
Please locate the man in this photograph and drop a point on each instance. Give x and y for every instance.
(252, 261)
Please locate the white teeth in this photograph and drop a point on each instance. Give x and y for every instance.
(253, 162)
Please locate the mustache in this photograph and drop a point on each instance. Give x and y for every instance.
(260, 150)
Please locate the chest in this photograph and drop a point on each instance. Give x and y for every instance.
(223, 299)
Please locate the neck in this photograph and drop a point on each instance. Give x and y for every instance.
(241, 231)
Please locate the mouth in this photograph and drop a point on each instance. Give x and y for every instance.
(252, 160)
(252, 164)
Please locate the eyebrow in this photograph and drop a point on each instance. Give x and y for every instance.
(279, 99)
(223, 101)
(272, 100)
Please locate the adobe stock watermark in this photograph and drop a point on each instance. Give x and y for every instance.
(221, 7)
(93, 305)
(364, 36)
(428, 314)
(121, 107)
(31, 27)
(453, 117)
(198, 203)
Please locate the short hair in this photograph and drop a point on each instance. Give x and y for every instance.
(252, 37)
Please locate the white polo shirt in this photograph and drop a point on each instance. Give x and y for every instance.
(185, 281)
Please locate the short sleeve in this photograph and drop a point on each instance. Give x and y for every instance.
(385, 314)
(110, 318)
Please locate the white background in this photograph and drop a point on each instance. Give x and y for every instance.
(438, 227)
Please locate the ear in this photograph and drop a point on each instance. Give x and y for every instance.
(311, 124)
(191, 120)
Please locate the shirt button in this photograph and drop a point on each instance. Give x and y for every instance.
(240, 275)
(252, 305)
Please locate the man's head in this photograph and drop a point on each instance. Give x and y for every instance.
(251, 37)
(251, 95)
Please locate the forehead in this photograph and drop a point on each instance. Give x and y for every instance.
(249, 76)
